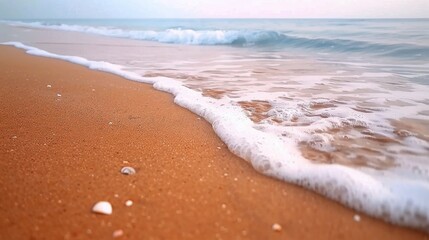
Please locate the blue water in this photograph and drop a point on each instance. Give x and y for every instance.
(407, 39)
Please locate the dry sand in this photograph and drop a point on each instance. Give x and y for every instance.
(60, 155)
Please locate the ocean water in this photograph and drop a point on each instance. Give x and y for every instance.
(337, 106)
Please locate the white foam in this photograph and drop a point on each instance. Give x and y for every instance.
(177, 35)
(382, 195)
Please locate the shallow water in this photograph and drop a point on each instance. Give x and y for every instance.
(340, 103)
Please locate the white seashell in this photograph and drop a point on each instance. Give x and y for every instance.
(128, 171)
(58, 95)
(128, 203)
(102, 207)
(277, 227)
(356, 218)
(117, 233)
(48, 86)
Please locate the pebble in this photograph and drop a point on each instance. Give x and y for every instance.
(118, 233)
(102, 207)
(277, 227)
(356, 218)
(48, 86)
(58, 95)
(128, 171)
(14, 137)
(110, 123)
(128, 203)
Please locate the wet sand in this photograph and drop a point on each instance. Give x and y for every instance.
(59, 155)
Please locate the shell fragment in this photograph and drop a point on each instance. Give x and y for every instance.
(128, 171)
(102, 207)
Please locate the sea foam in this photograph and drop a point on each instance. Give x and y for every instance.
(380, 195)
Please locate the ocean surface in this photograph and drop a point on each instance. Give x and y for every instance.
(337, 106)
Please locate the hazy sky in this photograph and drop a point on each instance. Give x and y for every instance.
(214, 9)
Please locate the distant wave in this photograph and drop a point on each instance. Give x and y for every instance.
(246, 38)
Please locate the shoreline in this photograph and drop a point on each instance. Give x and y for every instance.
(184, 187)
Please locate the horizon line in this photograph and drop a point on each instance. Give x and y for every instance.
(238, 18)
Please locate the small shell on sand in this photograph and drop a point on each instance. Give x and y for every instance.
(58, 95)
(102, 207)
(356, 218)
(128, 203)
(48, 86)
(117, 233)
(128, 171)
(277, 227)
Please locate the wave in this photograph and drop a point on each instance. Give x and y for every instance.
(246, 38)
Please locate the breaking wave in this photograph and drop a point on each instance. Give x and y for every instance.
(246, 38)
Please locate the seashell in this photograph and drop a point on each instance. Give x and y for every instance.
(128, 203)
(356, 218)
(48, 86)
(58, 95)
(277, 227)
(117, 233)
(128, 171)
(102, 207)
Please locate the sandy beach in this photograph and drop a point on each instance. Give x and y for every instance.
(62, 148)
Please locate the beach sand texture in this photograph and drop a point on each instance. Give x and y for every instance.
(62, 148)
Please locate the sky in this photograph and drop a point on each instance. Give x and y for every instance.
(30, 9)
